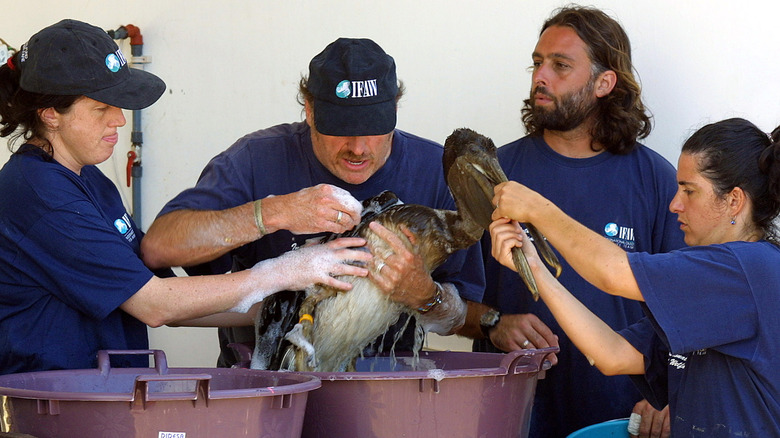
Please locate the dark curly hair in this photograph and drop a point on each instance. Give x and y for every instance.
(621, 117)
(736, 153)
(19, 108)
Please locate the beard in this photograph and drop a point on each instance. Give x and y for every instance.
(569, 110)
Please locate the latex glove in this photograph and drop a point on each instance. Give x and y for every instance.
(312, 210)
(398, 272)
(654, 423)
(513, 330)
(304, 267)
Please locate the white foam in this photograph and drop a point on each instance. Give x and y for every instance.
(633, 423)
(347, 200)
(436, 374)
(294, 270)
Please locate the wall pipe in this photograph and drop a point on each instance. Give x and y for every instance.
(134, 166)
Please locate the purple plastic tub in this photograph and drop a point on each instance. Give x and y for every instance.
(156, 403)
(449, 394)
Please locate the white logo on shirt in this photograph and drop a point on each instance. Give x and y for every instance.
(677, 360)
(620, 235)
(123, 226)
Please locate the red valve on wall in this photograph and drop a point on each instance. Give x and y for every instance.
(131, 155)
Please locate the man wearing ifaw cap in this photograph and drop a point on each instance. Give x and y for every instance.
(274, 188)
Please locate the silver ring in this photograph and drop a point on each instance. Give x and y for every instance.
(380, 266)
(525, 343)
(338, 218)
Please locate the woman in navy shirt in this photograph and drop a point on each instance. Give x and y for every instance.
(71, 278)
(713, 306)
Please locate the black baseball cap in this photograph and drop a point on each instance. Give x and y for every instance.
(76, 58)
(354, 86)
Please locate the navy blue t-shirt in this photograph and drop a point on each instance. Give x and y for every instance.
(624, 198)
(663, 369)
(68, 260)
(280, 160)
(718, 306)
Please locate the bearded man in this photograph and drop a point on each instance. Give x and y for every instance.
(583, 119)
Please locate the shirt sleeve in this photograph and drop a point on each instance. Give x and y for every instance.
(221, 185)
(698, 296)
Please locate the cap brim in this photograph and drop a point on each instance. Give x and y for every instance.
(138, 91)
(354, 120)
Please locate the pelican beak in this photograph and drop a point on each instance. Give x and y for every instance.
(472, 170)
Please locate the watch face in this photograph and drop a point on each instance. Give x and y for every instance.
(489, 318)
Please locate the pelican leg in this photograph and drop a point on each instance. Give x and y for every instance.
(297, 337)
(544, 249)
(521, 264)
(301, 334)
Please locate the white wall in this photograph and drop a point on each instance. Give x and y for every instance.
(232, 67)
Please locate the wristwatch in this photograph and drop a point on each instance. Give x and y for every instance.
(488, 320)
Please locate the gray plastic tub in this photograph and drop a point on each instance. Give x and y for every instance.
(160, 402)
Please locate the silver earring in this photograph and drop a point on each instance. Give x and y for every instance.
(733, 221)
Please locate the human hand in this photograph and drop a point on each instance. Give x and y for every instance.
(654, 423)
(301, 268)
(506, 234)
(514, 201)
(312, 210)
(399, 272)
(321, 264)
(316, 264)
(523, 331)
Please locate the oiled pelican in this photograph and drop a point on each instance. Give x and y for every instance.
(333, 327)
